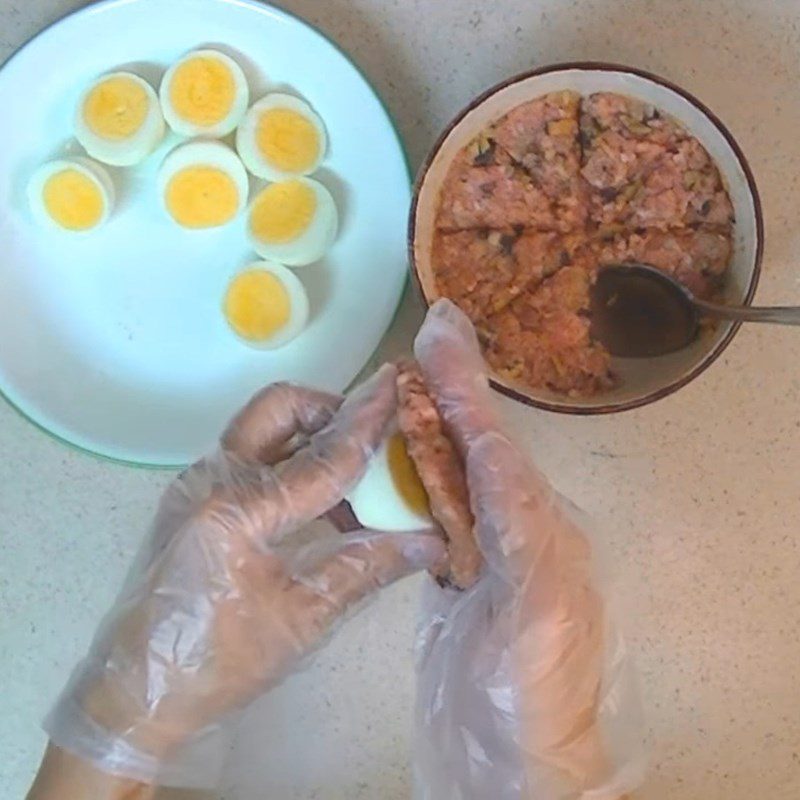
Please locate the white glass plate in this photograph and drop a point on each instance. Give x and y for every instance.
(115, 342)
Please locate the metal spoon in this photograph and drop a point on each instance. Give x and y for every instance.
(641, 312)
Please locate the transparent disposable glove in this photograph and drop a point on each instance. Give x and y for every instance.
(523, 687)
(224, 601)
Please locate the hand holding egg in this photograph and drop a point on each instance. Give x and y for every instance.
(257, 601)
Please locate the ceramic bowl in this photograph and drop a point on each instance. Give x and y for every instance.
(641, 381)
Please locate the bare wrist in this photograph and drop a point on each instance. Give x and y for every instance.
(63, 776)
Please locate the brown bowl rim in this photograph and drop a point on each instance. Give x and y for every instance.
(601, 66)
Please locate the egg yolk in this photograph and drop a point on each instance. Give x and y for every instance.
(288, 140)
(73, 200)
(282, 212)
(405, 476)
(202, 197)
(116, 108)
(257, 305)
(202, 91)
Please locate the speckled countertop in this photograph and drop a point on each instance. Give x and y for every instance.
(697, 495)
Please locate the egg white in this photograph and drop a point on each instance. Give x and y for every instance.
(247, 146)
(376, 501)
(298, 306)
(226, 125)
(92, 170)
(203, 154)
(135, 148)
(313, 243)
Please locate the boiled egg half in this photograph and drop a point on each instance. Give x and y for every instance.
(390, 496)
(203, 185)
(281, 137)
(204, 94)
(119, 119)
(266, 305)
(74, 194)
(293, 222)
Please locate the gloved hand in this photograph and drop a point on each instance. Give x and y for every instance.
(523, 688)
(221, 606)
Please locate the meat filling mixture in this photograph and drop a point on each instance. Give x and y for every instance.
(560, 186)
(442, 474)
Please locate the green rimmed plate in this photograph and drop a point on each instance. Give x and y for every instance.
(115, 342)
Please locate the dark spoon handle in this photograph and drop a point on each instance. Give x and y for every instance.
(781, 315)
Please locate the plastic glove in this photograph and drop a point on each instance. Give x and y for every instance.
(523, 690)
(220, 606)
